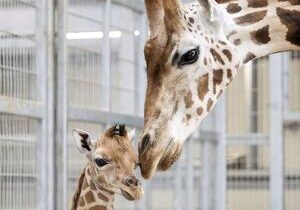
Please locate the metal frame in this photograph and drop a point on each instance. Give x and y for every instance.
(276, 133)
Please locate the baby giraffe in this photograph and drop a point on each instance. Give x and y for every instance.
(109, 170)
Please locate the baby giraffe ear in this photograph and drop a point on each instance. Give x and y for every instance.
(83, 141)
(131, 134)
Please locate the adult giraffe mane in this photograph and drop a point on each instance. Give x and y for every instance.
(193, 53)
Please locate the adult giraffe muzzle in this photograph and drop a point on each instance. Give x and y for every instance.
(192, 55)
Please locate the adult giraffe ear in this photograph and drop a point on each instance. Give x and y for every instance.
(83, 141)
(131, 134)
(210, 7)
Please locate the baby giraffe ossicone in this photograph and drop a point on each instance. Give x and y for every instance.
(109, 170)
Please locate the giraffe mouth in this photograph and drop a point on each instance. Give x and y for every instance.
(170, 155)
(127, 195)
(153, 160)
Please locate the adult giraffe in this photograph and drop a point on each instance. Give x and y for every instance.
(192, 55)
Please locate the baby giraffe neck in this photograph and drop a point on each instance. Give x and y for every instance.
(91, 196)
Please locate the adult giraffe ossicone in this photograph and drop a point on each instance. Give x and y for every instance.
(192, 55)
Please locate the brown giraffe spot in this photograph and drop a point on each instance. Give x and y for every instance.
(89, 197)
(157, 114)
(229, 74)
(216, 56)
(228, 54)
(188, 100)
(203, 86)
(205, 61)
(200, 111)
(209, 104)
(191, 20)
(188, 117)
(217, 78)
(102, 197)
(237, 42)
(98, 207)
(293, 2)
(261, 36)
(81, 202)
(175, 107)
(231, 34)
(223, 1)
(92, 185)
(257, 3)
(249, 57)
(250, 18)
(233, 8)
(85, 184)
(221, 42)
(220, 93)
(291, 19)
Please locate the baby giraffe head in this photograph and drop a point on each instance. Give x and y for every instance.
(111, 161)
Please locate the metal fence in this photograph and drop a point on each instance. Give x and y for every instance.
(79, 63)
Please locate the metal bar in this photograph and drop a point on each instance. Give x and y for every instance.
(50, 102)
(177, 205)
(97, 116)
(137, 6)
(206, 190)
(190, 175)
(21, 107)
(276, 133)
(285, 69)
(220, 166)
(248, 139)
(41, 84)
(61, 117)
(292, 117)
(105, 71)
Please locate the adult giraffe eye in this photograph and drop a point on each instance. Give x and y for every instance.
(101, 162)
(189, 57)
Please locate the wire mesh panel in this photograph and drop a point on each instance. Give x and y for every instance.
(18, 173)
(125, 33)
(248, 147)
(85, 58)
(18, 82)
(17, 50)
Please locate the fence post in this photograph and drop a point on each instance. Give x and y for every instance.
(61, 118)
(105, 72)
(44, 66)
(276, 132)
(220, 168)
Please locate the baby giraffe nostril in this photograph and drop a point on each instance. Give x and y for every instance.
(145, 143)
(132, 182)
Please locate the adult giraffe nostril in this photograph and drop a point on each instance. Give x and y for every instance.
(145, 143)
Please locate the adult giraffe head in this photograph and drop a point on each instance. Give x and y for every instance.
(192, 54)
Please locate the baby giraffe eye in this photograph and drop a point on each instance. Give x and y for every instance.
(101, 162)
(189, 57)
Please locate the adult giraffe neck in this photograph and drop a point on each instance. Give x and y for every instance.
(259, 28)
